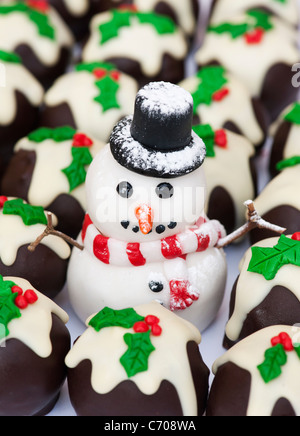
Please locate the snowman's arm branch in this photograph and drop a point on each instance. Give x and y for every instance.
(254, 221)
(50, 230)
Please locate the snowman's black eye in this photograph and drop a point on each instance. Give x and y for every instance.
(125, 190)
(164, 190)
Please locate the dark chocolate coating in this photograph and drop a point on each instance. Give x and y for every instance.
(127, 400)
(278, 146)
(26, 120)
(16, 183)
(284, 216)
(57, 116)
(230, 391)
(78, 24)
(280, 307)
(43, 268)
(45, 74)
(172, 70)
(30, 385)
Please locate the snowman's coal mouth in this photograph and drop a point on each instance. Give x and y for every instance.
(159, 229)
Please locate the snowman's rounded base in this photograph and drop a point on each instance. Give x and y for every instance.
(93, 285)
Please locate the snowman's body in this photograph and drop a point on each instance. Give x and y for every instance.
(145, 236)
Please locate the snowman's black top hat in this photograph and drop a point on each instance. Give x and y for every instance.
(158, 140)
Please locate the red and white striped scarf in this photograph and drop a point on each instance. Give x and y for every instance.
(175, 248)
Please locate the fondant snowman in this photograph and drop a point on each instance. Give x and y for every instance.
(145, 235)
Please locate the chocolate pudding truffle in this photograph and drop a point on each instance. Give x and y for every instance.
(258, 376)
(141, 361)
(20, 225)
(285, 147)
(48, 169)
(35, 31)
(266, 292)
(223, 101)
(145, 45)
(20, 98)
(34, 342)
(260, 50)
(229, 157)
(103, 96)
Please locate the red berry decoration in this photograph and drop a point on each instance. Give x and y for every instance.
(220, 95)
(81, 140)
(255, 37)
(283, 339)
(21, 302)
(17, 290)
(156, 330)
(221, 138)
(151, 320)
(140, 327)
(296, 236)
(99, 73)
(30, 296)
(3, 199)
(40, 5)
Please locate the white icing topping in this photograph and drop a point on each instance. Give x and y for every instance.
(17, 78)
(88, 114)
(33, 328)
(104, 350)
(249, 353)
(48, 181)
(139, 42)
(22, 30)
(14, 234)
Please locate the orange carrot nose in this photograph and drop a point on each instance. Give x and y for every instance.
(144, 215)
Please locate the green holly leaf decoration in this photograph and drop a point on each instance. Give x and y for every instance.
(135, 359)
(108, 317)
(293, 116)
(76, 171)
(30, 214)
(268, 261)
(10, 57)
(275, 358)
(297, 349)
(288, 163)
(122, 18)
(207, 134)
(8, 309)
(40, 19)
(108, 93)
(58, 134)
(211, 80)
(255, 19)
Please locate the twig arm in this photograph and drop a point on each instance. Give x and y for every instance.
(254, 221)
(50, 230)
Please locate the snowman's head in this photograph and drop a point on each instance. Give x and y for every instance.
(148, 182)
(135, 208)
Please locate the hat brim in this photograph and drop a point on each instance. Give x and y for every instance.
(140, 159)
